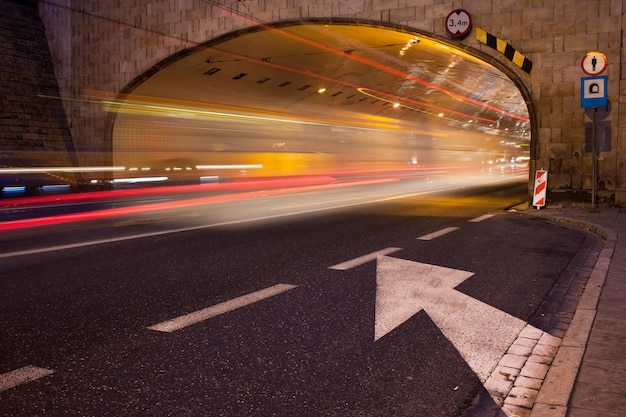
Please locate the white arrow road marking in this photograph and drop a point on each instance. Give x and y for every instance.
(438, 233)
(225, 307)
(22, 376)
(481, 333)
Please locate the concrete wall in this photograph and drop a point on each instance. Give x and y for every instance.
(99, 46)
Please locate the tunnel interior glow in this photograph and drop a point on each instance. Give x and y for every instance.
(307, 98)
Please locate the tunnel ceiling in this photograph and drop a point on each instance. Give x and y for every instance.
(368, 74)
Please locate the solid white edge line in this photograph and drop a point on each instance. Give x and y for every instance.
(21, 376)
(438, 233)
(221, 308)
(362, 259)
(481, 218)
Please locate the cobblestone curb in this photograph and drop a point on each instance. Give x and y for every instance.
(516, 380)
(553, 396)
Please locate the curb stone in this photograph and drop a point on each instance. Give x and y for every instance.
(554, 394)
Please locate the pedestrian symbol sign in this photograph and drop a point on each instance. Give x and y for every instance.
(594, 63)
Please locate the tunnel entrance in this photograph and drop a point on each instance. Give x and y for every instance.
(319, 97)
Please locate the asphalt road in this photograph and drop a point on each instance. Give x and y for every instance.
(366, 310)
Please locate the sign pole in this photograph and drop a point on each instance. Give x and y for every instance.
(594, 162)
(593, 94)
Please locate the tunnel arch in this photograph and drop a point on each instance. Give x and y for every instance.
(122, 41)
(133, 89)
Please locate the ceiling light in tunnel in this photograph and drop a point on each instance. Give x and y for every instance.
(396, 105)
(32, 170)
(232, 166)
(411, 104)
(408, 45)
(321, 90)
(135, 180)
(212, 71)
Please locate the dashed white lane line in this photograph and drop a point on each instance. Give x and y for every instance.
(225, 307)
(21, 376)
(438, 233)
(363, 259)
(481, 218)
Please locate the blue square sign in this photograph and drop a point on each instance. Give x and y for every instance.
(593, 91)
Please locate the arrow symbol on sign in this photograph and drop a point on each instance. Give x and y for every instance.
(481, 333)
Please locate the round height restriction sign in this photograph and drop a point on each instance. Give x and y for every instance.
(458, 23)
(594, 63)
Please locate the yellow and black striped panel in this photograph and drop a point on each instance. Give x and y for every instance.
(504, 48)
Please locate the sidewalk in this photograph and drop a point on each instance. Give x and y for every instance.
(587, 377)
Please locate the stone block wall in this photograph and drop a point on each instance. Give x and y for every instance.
(33, 126)
(100, 46)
